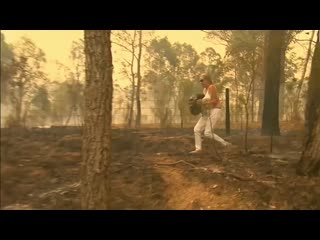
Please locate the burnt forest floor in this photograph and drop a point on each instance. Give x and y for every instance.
(151, 170)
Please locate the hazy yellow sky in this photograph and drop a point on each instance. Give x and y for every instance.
(57, 44)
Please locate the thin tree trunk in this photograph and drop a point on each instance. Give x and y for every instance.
(130, 117)
(261, 100)
(96, 148)
(310, 160)
(241, 118)
(25, 115)
(19, 104)
(253, 76)
(263, 78)
(247, 116)
(180, 107)
(138, 118)
(237, 95)
(296, 110)
(133, 93)
(69, 116)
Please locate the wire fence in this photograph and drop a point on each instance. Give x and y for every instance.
(150, 118)
(237, 110)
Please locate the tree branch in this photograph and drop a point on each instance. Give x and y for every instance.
(305, 40)
(126, 48)
(127, 62)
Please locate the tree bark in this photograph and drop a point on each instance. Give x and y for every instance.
(96, 150)
(263, 78)
(138, 118)
(130, 115)
(19, 105)
(282, 81)
(253, 76)
(270, 118)
(247, 116)
(25, 114)
(133, 93)
(297, 103)
(261, 101)
(310, 160)
(237, 114)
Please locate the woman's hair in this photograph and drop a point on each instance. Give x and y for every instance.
(205, 77)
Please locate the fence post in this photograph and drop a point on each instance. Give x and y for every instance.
(227, 113)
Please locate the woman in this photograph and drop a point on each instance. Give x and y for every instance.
(210, 114)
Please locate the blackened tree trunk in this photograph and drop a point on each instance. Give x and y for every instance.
(310, 160)
(96, 150)
(270, 118)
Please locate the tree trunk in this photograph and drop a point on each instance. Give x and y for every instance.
(19, 104)
(310, 160)
(237, 95)
(164, 119)
(69, 116)
(246, 128)
(138, 118)
(270, 118)
(133, 93)
(96, 150)
(282, 80)
(263, 78)
(247, 116)
(253, 76)
(181, 111)
(130, 116)
(25, 115)
(241, 118)
(297, 103)
(252, 103)
(261, 101)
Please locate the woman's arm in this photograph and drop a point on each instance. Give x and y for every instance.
(214, 97)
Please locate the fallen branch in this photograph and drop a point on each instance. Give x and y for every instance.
(61, 190)
(240, 178)
(180, 161)
(206, 169)
(236, 176)
(121, 169)
(281, 161)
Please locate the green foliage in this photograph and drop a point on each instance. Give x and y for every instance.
(26, 76)
(6, 51)
(162, 54)
(7, 69)
(40, 109)
(66, 95)
(41, 100)
(78, 60)
(173, 75)
(11, 121)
